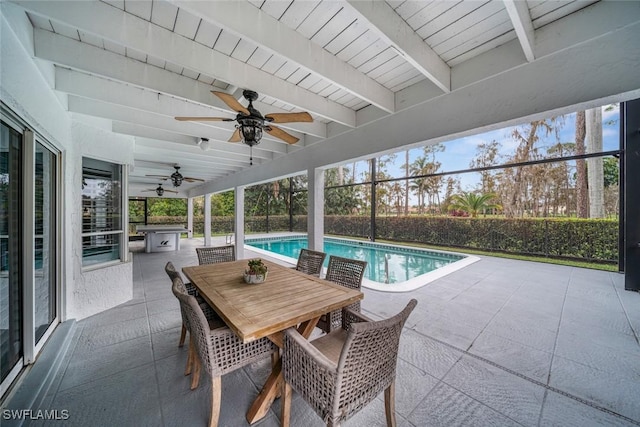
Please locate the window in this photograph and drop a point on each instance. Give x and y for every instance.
(102, 224)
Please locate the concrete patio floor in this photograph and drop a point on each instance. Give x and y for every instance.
(500, 342)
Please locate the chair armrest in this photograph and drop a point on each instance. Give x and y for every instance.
(308, 371)
(303, 347)
(350, 316)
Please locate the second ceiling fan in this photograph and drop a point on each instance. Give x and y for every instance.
(251, 123)
(177, 177)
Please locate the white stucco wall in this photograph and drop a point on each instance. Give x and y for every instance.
(25, 86)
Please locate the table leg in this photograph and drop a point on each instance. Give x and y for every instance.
(272, 387)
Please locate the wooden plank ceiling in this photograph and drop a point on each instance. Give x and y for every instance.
(139, 63)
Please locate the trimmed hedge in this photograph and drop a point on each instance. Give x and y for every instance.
(583, 239)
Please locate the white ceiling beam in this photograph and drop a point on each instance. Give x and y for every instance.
(518, 11)
(123, 114)
(101, 89)
(220, 149)
(110, 23)
(192, 151)
(249, 22)
(396, 32)
(81, 56)
(193, 160)
(216, 149)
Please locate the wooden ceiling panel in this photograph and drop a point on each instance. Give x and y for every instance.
(353, 32)
(276, 8)
(91, 39)
(334, 27)
(243, 50)
(207, 33)
(140, 8)
(273, 64)
(433, 11)
(226, 42)
(409, 8)
(298, 12)
(318, 18)
(450, 17)
(470, 26)
(65, 30)
(358, 44)
(40, 22)
(137, 55)
(381, 58)
(259, 57)
(164, 14)
(158, 62)
(186, 24)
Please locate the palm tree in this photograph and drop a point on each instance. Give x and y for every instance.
(473, 203)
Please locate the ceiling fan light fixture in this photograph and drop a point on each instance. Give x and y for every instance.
(251, 131)
(176, 177)
(204, 144)
(160, 191)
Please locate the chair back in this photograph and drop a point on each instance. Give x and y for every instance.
(310, 262)
(216, 254)
(346, 272)
(177, 286)
(171, 271)
(367, 363)
(198, 324)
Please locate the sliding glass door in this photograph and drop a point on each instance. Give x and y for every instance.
(11, 278)
(45, 252)
(29, 245)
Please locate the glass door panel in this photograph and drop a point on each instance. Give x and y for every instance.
(11, 346)
(45, 240)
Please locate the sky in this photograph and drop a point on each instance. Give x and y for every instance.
(458, 153)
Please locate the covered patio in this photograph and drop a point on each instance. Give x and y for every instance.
(104, 102)
(501, 342)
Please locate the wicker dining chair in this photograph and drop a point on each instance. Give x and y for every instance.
(216, 254)
(216, 347)
(211, 316)
(348, 273)
(339, 373)
(191, 290)
(310, 262)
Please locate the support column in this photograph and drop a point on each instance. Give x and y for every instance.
(315, 209)
(239, 221)
(190, 217)
(631, 182)
(207, 219)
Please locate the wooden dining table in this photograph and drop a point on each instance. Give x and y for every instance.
(288, 298)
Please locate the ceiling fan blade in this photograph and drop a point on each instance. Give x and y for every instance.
(289, 117)
(192, 179)
(231, 102)
(279, 133)
(204, 119)
(236, 136)
(170, 191)
(159, 176)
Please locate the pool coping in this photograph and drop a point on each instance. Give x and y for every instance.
(406, 286)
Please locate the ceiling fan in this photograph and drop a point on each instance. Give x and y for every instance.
(251, 123)
(177, 177)
(159, 191)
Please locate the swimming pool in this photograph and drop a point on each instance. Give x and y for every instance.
(390, 267)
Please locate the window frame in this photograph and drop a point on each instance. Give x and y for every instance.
(121, 231)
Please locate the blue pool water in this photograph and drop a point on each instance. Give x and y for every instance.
(404, 263)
